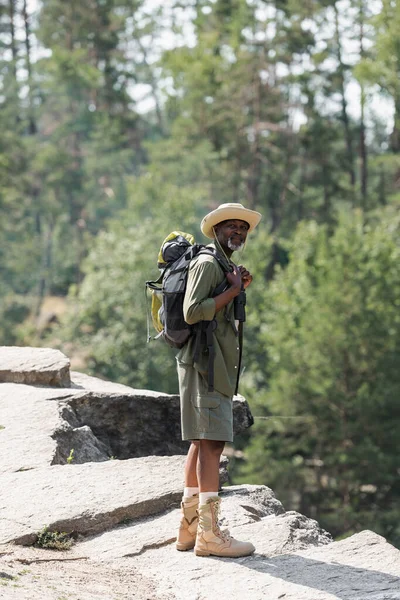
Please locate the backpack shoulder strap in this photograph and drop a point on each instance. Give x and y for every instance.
(206, 328)
(210, 252)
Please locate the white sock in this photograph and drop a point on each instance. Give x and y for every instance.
(190, 491)
(204, 495)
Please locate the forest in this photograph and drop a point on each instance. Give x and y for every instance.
(123, 120)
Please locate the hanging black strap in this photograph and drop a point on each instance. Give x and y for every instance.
(198, 330)
(240, 334)
(211, 353)
(204, 336)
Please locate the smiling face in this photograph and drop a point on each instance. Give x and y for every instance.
(232, 234)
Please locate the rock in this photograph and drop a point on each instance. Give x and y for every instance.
(136, 422)
(241, 505)
(124, 513)
(29, 417)
(295, 559)
(282, 534)
(138, 560)
(242, 417)
(35, 574)
(132, 424)
(78, 445)
(223, 471)
(40, 426)
(95, 384)
(335, 570)
(244, 504)
(34, 366)
(87, 498)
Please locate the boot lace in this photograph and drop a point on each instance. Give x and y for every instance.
(222, 533)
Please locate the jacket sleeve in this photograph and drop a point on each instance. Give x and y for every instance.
(202, 281)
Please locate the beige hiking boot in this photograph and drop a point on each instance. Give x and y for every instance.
(188, 526)
(211, 540)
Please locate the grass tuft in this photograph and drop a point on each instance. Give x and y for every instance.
(54, 540)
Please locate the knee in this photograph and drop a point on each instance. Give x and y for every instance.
(213, 447)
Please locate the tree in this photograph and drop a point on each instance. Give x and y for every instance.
(328, 445)
(108, 316)
(89, 137)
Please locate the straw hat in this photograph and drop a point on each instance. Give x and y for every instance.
(229, 211)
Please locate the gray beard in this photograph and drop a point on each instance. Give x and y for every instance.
(235, 247)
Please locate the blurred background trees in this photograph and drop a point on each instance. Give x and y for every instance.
(123, 120)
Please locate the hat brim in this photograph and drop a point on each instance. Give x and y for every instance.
(251, 217)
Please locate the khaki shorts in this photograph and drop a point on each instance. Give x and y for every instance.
(204, 415)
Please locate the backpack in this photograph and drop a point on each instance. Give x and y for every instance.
(168, 293)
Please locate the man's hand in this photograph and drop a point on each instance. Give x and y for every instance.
(247, 278)
(234, 279)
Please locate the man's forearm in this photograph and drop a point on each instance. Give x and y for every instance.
(223, 299)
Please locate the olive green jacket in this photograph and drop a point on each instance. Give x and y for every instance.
(205, 275)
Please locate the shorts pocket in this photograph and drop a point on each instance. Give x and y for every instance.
(207, 413)
(208, 401)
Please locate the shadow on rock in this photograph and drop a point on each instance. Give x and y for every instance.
(343, 581)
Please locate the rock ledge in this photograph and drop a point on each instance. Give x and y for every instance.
(34, 366)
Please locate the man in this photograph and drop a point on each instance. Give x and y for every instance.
(207, 419)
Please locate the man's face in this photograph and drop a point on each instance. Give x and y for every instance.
(232, 233)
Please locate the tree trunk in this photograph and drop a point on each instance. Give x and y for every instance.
(363, 146)
(45, 267)
(153, 84)
(13, 43)
(382, 192)
(31, 117)
(395, 135)
(345, 117)
(327, 197)
(254, 171)
(363, 153)
(14, 87)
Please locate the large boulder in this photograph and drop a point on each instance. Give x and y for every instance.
(34, 366)
(362, 567)
(136, 422)
(136, 558)
(95, 419)
(87, 498)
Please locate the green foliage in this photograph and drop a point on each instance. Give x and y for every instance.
(54, 540)
(109, 311)
(327, 443)
(252, 108)
(13, 311)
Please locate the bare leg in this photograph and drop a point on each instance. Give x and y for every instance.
(209, 454)
(191, 465)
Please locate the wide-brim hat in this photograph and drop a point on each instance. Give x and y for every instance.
(228, 211)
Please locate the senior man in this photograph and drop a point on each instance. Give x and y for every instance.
(206, 417)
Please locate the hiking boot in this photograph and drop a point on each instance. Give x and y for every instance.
(211, 540)
(188, 526)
